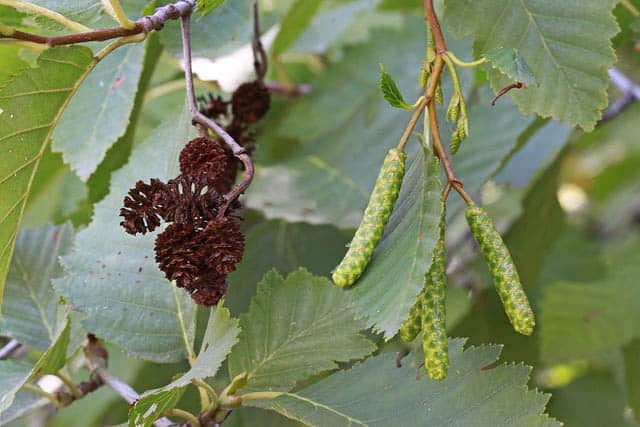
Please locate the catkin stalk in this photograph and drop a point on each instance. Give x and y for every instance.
(434, 325)
(374, 220)
(504, 273)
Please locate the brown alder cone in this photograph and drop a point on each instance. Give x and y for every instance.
(211, 158)
(250, 102)
(141, 212)
(199, 260)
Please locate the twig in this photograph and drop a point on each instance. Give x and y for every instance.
(624, 83)
(434, 80)
(199, 118)
(97, 358)
(145, 25)
(9, 348)
(292, 91)
(434, 24)
(260, 58)
(630, 93)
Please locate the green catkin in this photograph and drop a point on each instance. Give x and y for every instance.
(434, 331)
(374, 220)
(412, 325)
(504, 273)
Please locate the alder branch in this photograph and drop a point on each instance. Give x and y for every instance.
(97, 358)
(198, 118)
(8, 349)
(144, 25)
(429, 106)
(630, 93)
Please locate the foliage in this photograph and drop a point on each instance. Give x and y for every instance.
(82, 123)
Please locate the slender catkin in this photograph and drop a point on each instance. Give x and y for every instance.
(374, 220)
(412, 325)
(434, 328)
(504, 273)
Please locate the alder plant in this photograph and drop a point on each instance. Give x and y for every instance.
(279, 237)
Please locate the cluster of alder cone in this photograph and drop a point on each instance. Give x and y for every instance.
(202, 243)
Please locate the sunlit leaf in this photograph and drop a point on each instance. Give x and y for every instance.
(296, 327)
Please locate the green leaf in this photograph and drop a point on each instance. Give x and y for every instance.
(205, 7)
(24, 403)
(330, 174)
(228, 27)
(495, 132)
(577, 318)
(565, 44)
(296, 327)
(24, 135)
(10, 63)
(396, 274)
(99, 113)
(221, 334)
(119, 153)
(294, 23)
(391, 92)
(511, 64)
(350, 23)
(85, 12)
(251, 417)
(591, 401)
(541, 223)
(284, 246)
(112, 277)
(632, 376)
(377, 393)
(32, 310)
(635, 26)
(56, 193)
(15, 374)
(535, 152)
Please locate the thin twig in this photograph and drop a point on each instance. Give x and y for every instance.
(434, 80)
(293, 91)
(97, 358)
(9, 348)
(624, 83)
(434, 24)
(260, 58)
(199, 118)
(630, 93)
(145, 25)
(413, 121)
